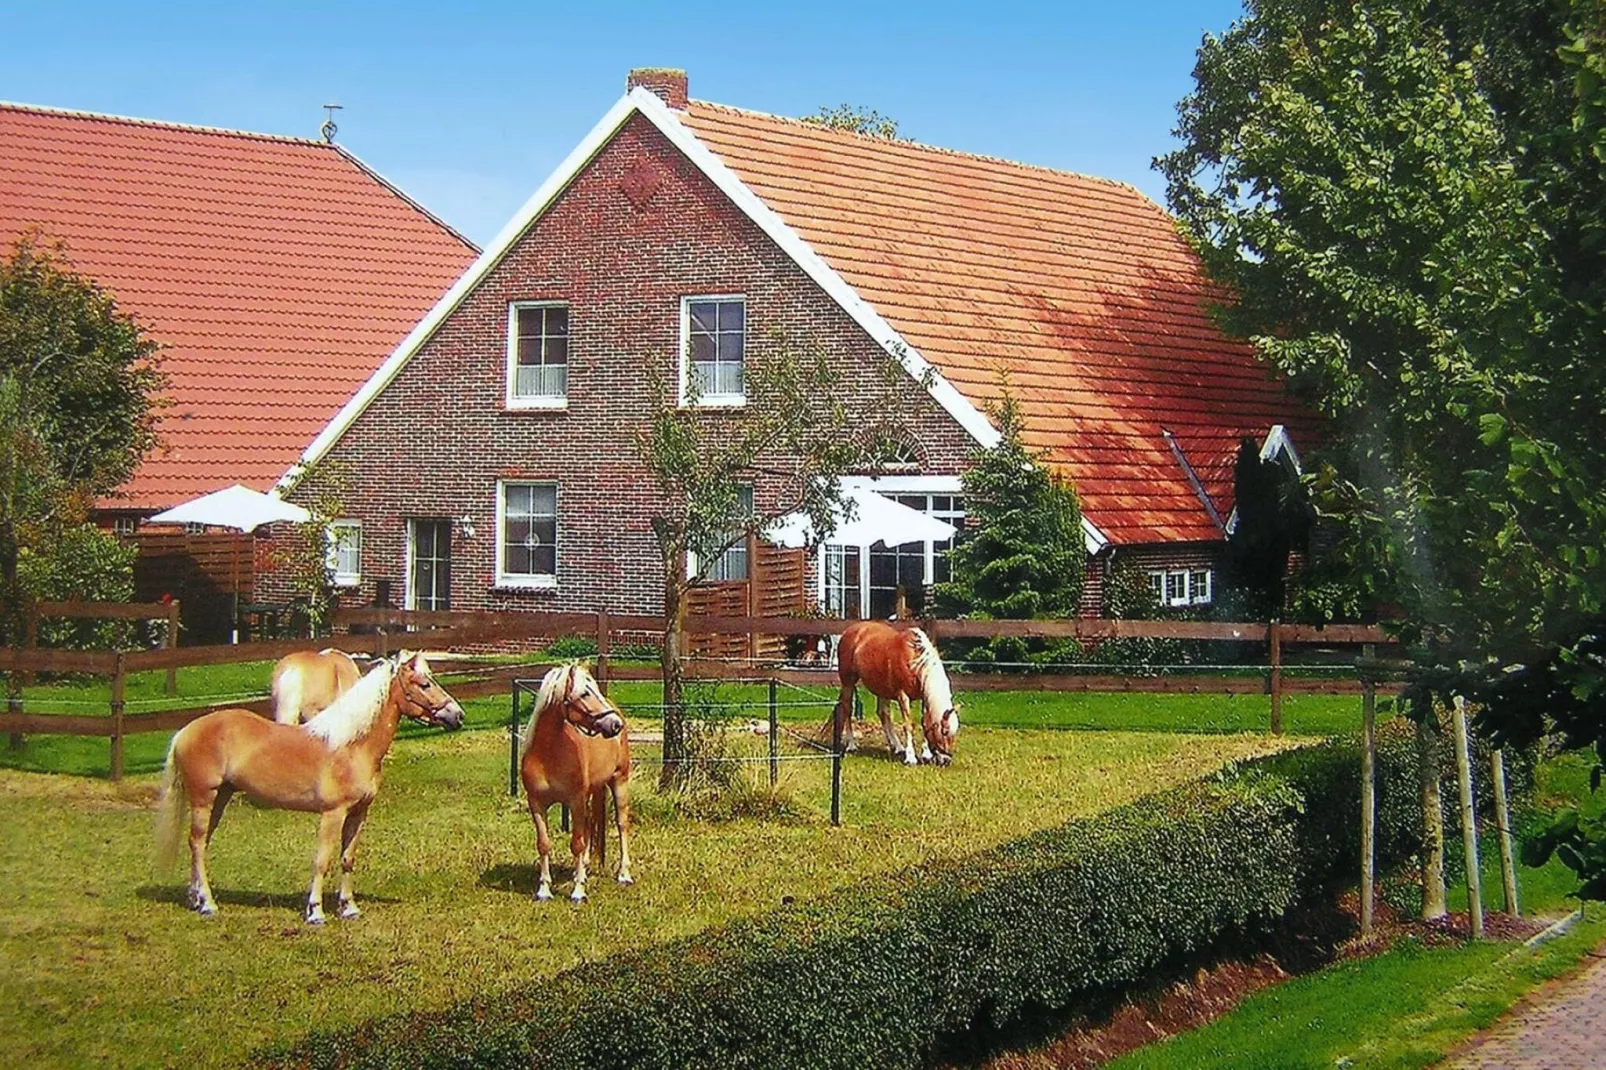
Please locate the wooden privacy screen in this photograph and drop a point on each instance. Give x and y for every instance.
(199, 571)
(774, 588)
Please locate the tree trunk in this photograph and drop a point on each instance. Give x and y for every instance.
(676, 753)
(1427, 766)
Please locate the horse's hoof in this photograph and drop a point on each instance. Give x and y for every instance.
(910, 759)
(625, 878)
(577, 896)
(543, 894)
(207, 910)
(315, 917)
(348, 910)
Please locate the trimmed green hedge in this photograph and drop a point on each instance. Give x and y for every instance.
(879, 974)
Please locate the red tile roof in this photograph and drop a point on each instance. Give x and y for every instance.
(1079, 289)
(278, 274)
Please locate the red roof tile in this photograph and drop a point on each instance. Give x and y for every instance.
(1079, 289)
(277, 273)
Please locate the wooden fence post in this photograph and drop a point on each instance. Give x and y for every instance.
(836, 770)
(171, 687)
(513, 745)
(1274, 681)
(14, 705)
(1368, 789)
(1469, 818)
(30, 638)
(1502, 818)
(118, 681)
(604, 649)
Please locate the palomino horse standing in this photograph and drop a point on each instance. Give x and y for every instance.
(575, 750)
(306, 683)
(897, 665)
(329, 766)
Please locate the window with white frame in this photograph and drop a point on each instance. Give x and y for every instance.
(344, 559)
(125, 525)
(538, 355)
(527, 535)
(1181, 587)
(732, 564)
(713, 342)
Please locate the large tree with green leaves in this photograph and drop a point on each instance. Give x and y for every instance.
(1023, 554)
(78, 382)
(802, 427)
(1404, 201)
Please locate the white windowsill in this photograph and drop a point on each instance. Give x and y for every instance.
(715, 401)
(541, 402)
(346, 581)
(526, 583)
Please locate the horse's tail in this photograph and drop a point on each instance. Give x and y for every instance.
(286, 691)
(170, 805)
(599, 826)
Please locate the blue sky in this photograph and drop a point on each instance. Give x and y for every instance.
(469, 106)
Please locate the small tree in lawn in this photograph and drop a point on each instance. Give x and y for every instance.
(78, 380)
(1023, 553)
(309, 556)
(797, 428)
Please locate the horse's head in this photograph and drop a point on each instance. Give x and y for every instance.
(942, 730)
(582, 702)
(421, 697)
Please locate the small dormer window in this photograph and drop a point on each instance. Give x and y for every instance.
(713, 334)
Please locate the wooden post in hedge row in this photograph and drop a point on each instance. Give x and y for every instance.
(1469, 817)
(1368, 786)
(1427, 769)
(1274, 681)
(1502, 819)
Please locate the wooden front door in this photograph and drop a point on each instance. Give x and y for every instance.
(429, 564)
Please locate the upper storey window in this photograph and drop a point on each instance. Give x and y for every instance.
(713, 333)
(538, 355)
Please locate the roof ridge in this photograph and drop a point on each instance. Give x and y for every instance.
(161, 124)
(924, 147)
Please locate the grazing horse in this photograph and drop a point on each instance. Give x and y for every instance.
(328, 766)
(576, 750)
(306, 683)
(897, 664)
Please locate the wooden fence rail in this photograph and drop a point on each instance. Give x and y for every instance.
(436, 630)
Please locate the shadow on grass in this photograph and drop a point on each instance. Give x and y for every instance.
(179, 895)
(518, 878)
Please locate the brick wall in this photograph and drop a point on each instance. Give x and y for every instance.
(436, 441)
(1145, 559)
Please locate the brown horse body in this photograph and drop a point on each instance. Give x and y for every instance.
(898, 665)
(329, 766)
(308, 682)
(576, 751)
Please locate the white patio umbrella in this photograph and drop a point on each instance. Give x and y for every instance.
(240, 508)
(876, 519)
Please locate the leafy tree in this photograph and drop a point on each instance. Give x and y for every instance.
(1022, 554)
(77, 405)
(855, 120)
(307, 557)
(801, 429)
(1405, 200)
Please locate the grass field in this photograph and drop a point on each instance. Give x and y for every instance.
(1303, 715)
(104, 965)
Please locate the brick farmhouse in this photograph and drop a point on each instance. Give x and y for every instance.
(490, 459)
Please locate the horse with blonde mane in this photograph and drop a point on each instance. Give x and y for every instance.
(328, 766)
(576, 751)
(307, 683)
(897, 665)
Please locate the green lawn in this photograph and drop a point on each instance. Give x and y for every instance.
(1303, 715)
(103, 964)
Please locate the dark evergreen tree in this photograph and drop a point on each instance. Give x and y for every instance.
(1022, 553)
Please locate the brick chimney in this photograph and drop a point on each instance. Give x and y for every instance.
(667, 83)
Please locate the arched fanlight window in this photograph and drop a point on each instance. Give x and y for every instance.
(903, 456)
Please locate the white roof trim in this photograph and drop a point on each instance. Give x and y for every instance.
(1277, 441)
(1093, 538)
(643, 101)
